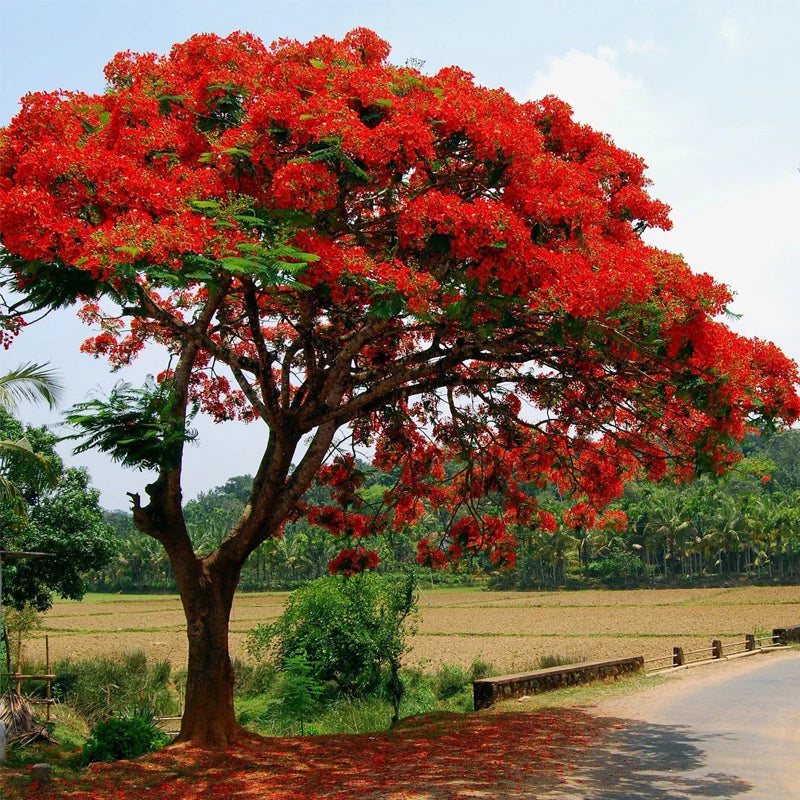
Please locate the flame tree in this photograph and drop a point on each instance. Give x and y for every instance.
(323, 242)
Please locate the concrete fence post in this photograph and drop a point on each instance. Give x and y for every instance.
(677, 657)
(716, 648)
(749, 641)
(41, 774)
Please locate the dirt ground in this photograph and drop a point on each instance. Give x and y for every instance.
(509, 629)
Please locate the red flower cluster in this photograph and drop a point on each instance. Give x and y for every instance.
(353, 561)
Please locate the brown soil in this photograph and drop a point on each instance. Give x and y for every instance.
(509, 629)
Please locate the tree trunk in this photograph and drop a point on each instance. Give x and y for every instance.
(209, 719)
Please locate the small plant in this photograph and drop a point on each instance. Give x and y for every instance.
(549, 660)
(449, 681)
(299, 690)
(124, 737)
(480, 669)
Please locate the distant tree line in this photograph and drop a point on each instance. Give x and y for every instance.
(743, 525)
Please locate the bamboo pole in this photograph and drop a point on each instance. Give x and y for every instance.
(47, 670)
(19, 659)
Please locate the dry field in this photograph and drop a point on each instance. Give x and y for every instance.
(508, 629)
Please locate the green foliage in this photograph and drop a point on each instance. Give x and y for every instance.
(29, 465)
(64, 520)
(349, 629)
(69, 727)
(419, 696)
(341, 714)
(136, 427)
(352, 716)
(299, 689)
(211, 515)
(100, 686)
(703, 532)
(124, 737)
(141, 563)
(480, 669)
(253, 679)
(29, 382)
(449, 680)
(617, 569)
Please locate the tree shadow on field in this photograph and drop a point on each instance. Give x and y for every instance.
(641, 761)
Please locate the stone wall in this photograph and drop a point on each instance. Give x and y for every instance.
(490, 690)
(786, 635)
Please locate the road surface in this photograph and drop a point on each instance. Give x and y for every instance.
(722, 731)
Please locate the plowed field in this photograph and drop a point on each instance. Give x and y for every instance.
(508, 629)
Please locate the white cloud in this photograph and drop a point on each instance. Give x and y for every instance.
(606, 53)
(644, 46)
(597, 90)
(730, 31)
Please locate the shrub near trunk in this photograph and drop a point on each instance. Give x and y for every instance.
(350, 629)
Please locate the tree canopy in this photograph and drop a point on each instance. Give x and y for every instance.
(325, 242)
(61, 516)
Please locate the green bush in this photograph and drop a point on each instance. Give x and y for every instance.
(480, 669)
(125, 737)
(351, 630)
(418, 696)
(618, 569)
(449, 680)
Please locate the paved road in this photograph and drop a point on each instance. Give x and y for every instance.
(733, 735)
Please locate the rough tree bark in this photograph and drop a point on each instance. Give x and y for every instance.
(207, 594)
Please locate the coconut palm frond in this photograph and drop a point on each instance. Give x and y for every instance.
(9, 493)
(40, 472)
(22, 727)
(29, 382)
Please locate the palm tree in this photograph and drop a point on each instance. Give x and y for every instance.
(31, 382)
(668, 524)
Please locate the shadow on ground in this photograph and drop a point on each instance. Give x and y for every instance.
(641, 761)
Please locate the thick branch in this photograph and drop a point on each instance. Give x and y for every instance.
(268, 392)
(184, 331)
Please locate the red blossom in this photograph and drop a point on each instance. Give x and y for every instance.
(353, 561)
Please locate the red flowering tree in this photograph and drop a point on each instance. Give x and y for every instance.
(323, 242)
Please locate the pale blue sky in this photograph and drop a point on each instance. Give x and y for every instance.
(706, 92)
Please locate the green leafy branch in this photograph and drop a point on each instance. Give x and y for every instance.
(137, 427)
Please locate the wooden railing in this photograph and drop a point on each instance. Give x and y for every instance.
(681, 658)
